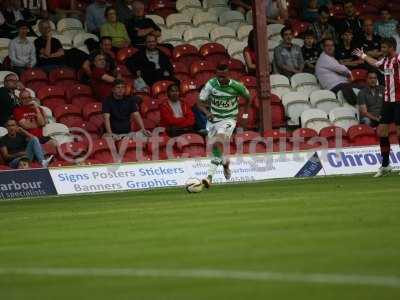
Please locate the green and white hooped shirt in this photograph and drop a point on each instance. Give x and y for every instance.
(224, 103)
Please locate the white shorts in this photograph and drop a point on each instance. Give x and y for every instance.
(225, 127)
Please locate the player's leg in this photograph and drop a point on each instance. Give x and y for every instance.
(397, 120)
(383, 133)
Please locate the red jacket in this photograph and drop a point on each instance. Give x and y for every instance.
(168, 118)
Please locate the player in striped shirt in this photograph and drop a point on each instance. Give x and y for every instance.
(219, 101)
(390, 66)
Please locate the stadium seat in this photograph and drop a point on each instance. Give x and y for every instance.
(205, 20)
(150, 109)
(221, 4)
(280, 84)
(3, 131)
(78, 90)
(61, 164)
(189, 7)
(72, 150)
(362, 135)
(162, 8)
(186, 54)
(178, 21)
(295, 103)
(51, 96)
(92, 112)
(191, 98)
(359, 75)
(180, 68)
(172, 37)
(191, 145)
(278, 114)
(149, 124)
(344, 117)
(101, 150)
(159, 89)
(189, 87)
(223, 35)
(34, 78)
(132, 149)
(157, 19)
(4, 42)
(231, 18)
(335, 136)
(88, 127)
(274, 31)
(82, 100)
(55, 129)
(65, 40)
(68, 114)
(305, 139)
(243, 32)
(249, 81)
(63, 76)
(324, 99)
(235, 65)
(196, 37)
(124, 72)
(315, 119)
(235, 49)
(213, 52)
(299, 27)
(280, 139)
(124, 53)
(79, 39)
(304, 82)
(251, 122)
(161, 148)
(202, 71)
(249, 142)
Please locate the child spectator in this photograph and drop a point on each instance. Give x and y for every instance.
(310, 52)
(344, 53)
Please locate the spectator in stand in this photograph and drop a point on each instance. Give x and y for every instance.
(12, 13)
(152, 63)
(241, 5)
(386, 27)
(23, 163)
(249, 53)
(49, 50)
(124, 11)
(21, 50)
(370, 101)
(397, 38)
(106, 50)
(65, 9)
(277, 11)
(114, 29)
(288, 58)
(95, 16)
(8, 100)
(120, 110)
(139, 26)
(176, 115)
(30, 116)
(102, 78)
(18, 144)
(321, 28)
(310, 10)
(371, 42)
(344, 53)
(351, 21)
(36, 7)
(334, 76)
(310, 52)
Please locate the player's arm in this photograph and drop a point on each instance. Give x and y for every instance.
(370, 60)
(202, 101)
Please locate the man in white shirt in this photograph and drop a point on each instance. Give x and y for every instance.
(334, 76)
(21, 51)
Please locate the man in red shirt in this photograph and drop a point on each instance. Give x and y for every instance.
(390, 66)
(176, 115)
(29, 115)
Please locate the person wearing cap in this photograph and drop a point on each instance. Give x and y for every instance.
(22, 51)
(120, 111)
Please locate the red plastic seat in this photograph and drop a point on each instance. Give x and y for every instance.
(92, 112)
(180, 68)
(68, 114)
(78, 90)
(34, 79)
(191, 145)
(124, 53)
(61, 164)
(281, 140)
(249, 81)
(335, 136)
(132, 150)
(90, 129)
(157, 147)
(124, 72)
(299, 27)
(101, 150)
(252, 118)
(235, 65)
(162, 8)
(63, 76)
(302, 139)
(148, 123)
(189, 87)
(72, 150)
(249, 142)
(159, 89)
(278, 115)
(362, 135)
(202, 71)
(359, 75)
(150, 109)
(51, 96)
(191, 98)
(82, 100)
(213, 53)
(185, 54)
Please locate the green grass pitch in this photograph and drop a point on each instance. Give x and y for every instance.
(325, 238)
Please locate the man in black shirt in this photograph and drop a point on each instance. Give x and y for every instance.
(119, 111)
(371, 42)
(8, 100)
(139, 26)
(344, 53)
(351, 21)
(49, 50)
(310, 52)
(18, 144)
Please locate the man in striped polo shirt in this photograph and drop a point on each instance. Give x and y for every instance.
(219, 101)
(390, 66)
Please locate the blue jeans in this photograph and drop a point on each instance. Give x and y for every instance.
(33, 150)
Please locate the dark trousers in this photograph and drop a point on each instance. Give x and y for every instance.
(347, 90)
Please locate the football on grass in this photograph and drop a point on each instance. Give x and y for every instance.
(194, 185)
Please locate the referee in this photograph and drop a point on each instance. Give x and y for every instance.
(390, 66)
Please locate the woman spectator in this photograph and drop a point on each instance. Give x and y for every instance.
(102, 78)
(114, 29)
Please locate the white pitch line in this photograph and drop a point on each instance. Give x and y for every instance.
(339, 279)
